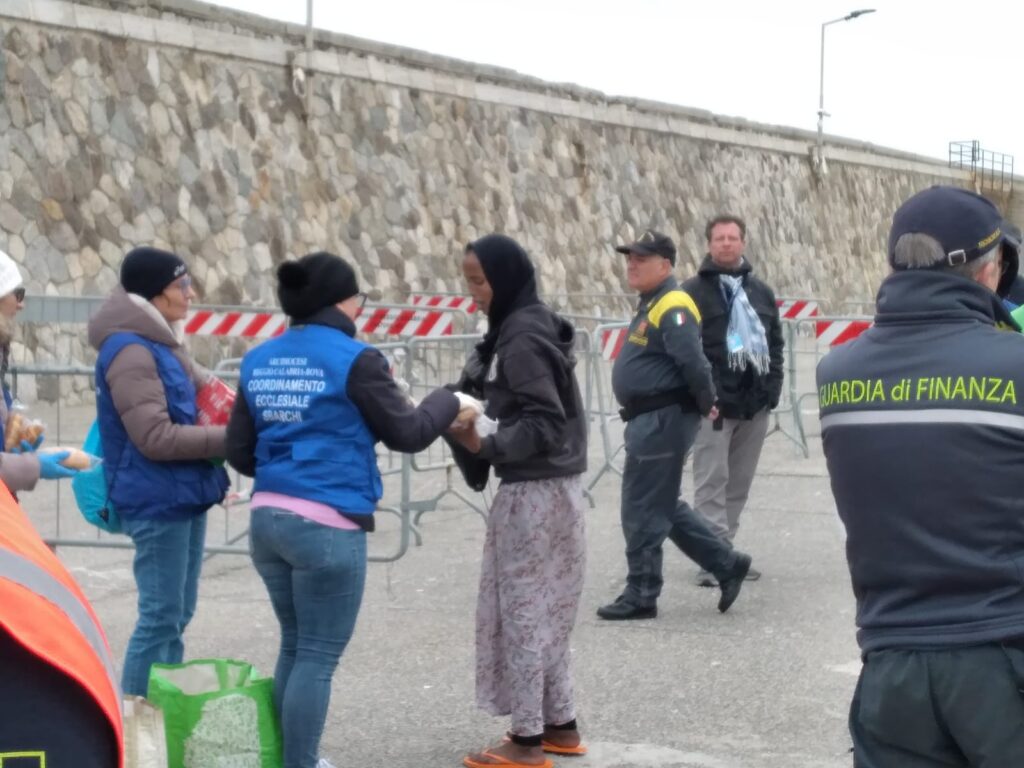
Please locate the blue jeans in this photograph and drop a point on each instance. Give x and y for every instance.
(315, 576)
(168, 558)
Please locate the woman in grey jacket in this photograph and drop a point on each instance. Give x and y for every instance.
(533, 562)
(155, 454)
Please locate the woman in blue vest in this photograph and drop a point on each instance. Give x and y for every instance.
(531, 575)
(311, 405)
(156, 458)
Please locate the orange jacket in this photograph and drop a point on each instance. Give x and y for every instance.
(43, 608)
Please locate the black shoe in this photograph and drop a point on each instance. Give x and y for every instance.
(732, 584)
(621, 610)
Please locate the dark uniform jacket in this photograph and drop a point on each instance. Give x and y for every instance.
(923, 429)
(531, 390)
(662, 353)
(741, 394)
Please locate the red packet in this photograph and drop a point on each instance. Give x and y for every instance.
(214, 401)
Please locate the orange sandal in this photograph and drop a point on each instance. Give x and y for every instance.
(556, 749)
(501, 762)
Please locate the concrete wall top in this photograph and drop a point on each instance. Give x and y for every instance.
(216, 30)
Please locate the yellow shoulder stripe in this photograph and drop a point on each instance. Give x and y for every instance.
(672, 300)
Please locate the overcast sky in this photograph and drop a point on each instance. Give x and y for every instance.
(912, 76)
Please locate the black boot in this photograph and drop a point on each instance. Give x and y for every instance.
(731, 583)
(622, 610)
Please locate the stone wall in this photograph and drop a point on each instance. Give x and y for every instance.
(130, 122)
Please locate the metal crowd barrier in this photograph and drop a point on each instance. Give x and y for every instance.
(415, 485)
(419, 484)
(601, 403)
(786, 417)
(809, 340)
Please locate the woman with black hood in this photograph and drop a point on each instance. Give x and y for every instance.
(533, 561)
(311, 405)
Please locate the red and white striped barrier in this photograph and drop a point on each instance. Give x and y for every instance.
(386, 321)
(465, 303)
(404, 322)
(797, 309)
(829, 332)
(612, 341)
(245, 325)
(836, 332)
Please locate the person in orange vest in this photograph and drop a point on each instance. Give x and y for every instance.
(62, 702)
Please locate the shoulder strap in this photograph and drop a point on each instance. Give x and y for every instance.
(672, 300)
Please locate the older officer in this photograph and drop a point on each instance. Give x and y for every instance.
(663, 383)
(922, 422)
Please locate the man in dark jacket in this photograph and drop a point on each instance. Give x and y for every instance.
(742, 337)
(1015, 295)
(663, 383)
(922, 422)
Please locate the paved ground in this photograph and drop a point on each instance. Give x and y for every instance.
(764, 686)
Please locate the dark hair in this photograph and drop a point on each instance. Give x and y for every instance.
(726, 218)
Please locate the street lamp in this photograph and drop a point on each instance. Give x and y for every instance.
(822, 114)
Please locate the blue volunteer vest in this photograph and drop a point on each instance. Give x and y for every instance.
(140, 487)
(311, 440)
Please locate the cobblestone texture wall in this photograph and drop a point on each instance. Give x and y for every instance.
(112, 138)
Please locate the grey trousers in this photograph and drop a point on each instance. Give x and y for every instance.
(724, 463)
(652, 511)
(957, 708)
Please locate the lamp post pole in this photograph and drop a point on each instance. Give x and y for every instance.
(309, 58)
(819, 154)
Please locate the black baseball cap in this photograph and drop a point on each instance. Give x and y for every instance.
(651, 243)
(965, 224)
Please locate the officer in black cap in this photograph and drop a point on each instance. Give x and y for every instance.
(663, 383)
(1015, 293)
(922, 421)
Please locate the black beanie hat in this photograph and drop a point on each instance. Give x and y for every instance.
(315, 281)
(148, 271)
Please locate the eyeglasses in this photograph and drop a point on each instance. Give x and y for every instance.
(183, 283)
(362, 299)
(19, 293)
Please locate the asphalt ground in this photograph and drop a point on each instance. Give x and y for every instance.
(766, 685)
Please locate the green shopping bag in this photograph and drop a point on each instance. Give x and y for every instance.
(217, 713)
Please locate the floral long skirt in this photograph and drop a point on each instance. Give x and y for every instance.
(531, 580)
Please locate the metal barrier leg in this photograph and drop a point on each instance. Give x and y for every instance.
(798, 437)
(430, 505)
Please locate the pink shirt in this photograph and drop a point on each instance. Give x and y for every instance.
(311, 510)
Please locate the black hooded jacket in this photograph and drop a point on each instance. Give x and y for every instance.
(741, 394)
(531, 389)
(524, 368)
(922, 422)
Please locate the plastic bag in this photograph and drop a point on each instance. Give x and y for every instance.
(92, 495)
(19, 427)
(145, 745)
(218, 713)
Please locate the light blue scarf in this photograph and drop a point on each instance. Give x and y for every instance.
(745, 341)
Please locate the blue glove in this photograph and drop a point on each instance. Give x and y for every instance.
(27, 447)
(50, 467)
